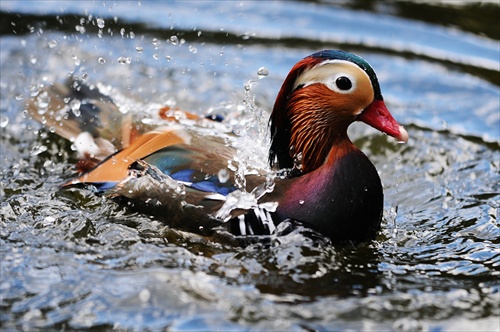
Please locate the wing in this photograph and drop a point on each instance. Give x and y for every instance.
(184, 156)
(90, 118)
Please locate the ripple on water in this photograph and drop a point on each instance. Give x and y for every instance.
(72, 259)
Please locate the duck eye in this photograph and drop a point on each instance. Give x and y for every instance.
(343, 83)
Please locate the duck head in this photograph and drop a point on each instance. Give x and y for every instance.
(322, 95)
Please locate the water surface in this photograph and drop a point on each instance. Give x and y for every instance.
(73, 260)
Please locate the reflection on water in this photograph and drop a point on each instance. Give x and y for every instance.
(71, 259)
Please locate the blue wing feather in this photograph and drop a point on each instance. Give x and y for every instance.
(177, 163)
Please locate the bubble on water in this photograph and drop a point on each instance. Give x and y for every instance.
(262, 72)
(101, 60)
(174, 40)
(124, 60)
(52, 44)
(4, 121)
(100, 23)
(139, 49)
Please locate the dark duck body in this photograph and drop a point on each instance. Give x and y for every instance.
(319, 178)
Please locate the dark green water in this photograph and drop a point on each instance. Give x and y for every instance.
(72, 260)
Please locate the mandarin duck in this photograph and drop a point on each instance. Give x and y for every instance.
(317, 176)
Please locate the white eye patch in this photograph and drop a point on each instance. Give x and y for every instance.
(337, 75)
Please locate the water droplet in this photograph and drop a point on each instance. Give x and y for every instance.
(174, 40)
(52, 44)
(42, 102)
(199, 33)
(101, 60)
(122, 32)
(139, 49)
(4, 121)
(34, 90)
(80, 29)
(124, 60)
(247, 86)
(37, 149)
(223, 175)
(262, 72)
(75, 107)
(297, 161)
(168, 57)
(301, 202)
(77, 61)
(100, 23)
(193, 49)
(155, 42)
(156, 56)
